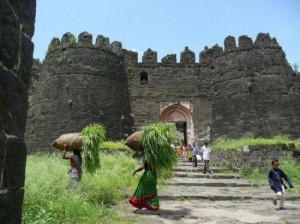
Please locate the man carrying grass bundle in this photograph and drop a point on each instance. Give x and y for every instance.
(155, 142)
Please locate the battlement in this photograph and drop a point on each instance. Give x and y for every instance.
(263, 40)
(85, 39)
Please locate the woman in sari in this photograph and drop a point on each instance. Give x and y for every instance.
(189, 152)
(145, 195)
(75, 172)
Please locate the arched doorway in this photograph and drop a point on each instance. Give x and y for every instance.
(182, 117)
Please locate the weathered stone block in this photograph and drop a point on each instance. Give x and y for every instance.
(11, 206)
(9, 36)
(187, 56)
(102, 42)
(85, 39)
(26, 56)
(229, 43)
(14, 163)
(149, 57)
(169, 59)
(13, 103)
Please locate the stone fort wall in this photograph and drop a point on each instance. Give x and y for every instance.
(16, 49)
(238, 89)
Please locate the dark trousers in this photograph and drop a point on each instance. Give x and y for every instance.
(206, 166)
(195, 160)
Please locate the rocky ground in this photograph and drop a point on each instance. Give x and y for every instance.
(220, 197)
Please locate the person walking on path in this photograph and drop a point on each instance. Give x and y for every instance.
(206, 154)
(275, 180)
(195, 152)
(145, 195)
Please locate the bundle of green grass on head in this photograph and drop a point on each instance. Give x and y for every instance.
(156, 141)
(94, 135)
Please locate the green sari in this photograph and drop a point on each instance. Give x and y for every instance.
(145, 195)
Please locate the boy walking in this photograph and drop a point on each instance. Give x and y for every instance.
(276, 183)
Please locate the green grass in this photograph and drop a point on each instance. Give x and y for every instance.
(257, 178)
(47, 199)
(289, 166)
(225, 143)
(110, 145)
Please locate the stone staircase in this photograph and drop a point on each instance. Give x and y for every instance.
(190, 183)
(223, 197)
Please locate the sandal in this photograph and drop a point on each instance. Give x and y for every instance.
(138, 211)
(156, 213)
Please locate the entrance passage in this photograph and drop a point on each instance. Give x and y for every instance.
(182, 118)
(181, 128)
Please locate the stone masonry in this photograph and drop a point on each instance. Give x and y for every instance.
(245, 87)
(16, 48)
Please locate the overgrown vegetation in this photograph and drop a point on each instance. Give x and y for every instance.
(289, 166)
(110, 145)
(248, 139)
(26, 28)
(94, 135)
(254, 175)
(47, 199)
(72, 41)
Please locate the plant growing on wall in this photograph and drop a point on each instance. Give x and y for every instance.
(72, 41)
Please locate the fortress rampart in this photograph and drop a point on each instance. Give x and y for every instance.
(242, 88)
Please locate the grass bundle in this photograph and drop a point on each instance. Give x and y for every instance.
(94, 135)
(156, 140)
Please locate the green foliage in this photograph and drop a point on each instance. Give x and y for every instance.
(289, 166)
(63, 58)
(113, 145)
(94, 135)
(292, 169)
(254, 176)
(72, 41)
(47, 199)
(50, 48)
(26, 28)
(225, 143)
(156, 141)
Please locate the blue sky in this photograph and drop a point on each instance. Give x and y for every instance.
(167, 26)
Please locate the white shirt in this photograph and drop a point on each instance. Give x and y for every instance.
(206, 152)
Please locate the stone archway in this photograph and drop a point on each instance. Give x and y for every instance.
(182, 117)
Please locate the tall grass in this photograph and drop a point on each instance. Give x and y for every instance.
(47, 199)
(288, 165)
(226, 143)
(110, 145)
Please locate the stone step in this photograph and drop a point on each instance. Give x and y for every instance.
(207, 182)
(211, 175)
(189, 164)
(198, 169)
(219, 193)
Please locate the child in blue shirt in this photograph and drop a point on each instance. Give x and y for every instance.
(276, 183)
